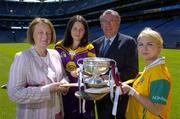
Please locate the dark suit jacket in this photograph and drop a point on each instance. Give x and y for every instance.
(124, 51)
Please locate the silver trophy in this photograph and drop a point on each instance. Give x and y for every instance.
(93, 68)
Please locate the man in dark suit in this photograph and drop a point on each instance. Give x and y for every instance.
(121, 48)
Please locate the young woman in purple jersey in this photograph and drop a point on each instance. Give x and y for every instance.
(74, 46)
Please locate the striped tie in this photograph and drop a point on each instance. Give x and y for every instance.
(106, 47)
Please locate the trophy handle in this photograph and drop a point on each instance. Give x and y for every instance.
(79, 63)
(113, 61)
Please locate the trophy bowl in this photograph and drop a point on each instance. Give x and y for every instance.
(100, 65)
(95, 67)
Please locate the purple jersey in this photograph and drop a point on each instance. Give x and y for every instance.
(69, 59)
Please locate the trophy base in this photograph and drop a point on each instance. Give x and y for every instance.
(95, 83)
(89, 96)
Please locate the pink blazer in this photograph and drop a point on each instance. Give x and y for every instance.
(27, 86)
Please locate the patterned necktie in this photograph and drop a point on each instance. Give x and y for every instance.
(106, 46)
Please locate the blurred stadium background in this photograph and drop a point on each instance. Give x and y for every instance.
(162, 15)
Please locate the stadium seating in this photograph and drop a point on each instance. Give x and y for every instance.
(161, 15)
(171, 33)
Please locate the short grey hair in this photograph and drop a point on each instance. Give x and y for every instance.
(112, 12)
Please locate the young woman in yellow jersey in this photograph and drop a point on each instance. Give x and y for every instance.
(150, 95)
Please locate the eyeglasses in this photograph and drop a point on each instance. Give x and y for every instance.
(108, 21)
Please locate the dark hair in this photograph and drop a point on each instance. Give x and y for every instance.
(35, 21)
(68, 40)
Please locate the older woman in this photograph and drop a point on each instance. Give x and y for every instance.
(73, 47)
(36, 75)
(150, 96)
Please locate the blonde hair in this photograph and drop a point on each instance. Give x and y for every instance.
(151, 34)
(32, 25)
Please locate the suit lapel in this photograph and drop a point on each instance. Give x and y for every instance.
(113, 46)
(42, 65)
(37, 59)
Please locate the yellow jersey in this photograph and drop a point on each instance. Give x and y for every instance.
(155, 84)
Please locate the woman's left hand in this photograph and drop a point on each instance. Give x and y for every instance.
(63, 90)
(75, 73)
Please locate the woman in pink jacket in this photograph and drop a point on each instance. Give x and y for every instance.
(36, 75)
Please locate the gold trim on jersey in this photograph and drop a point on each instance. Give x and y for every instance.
(77, 51)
